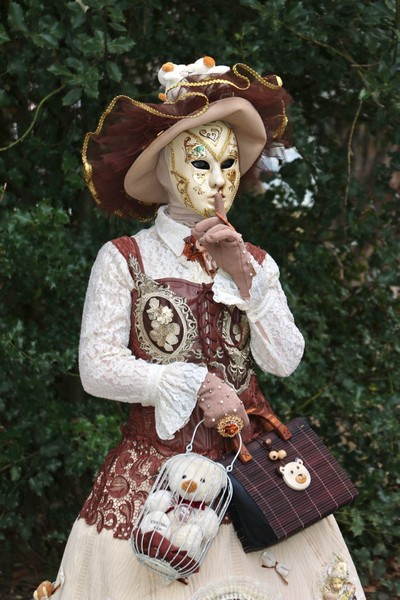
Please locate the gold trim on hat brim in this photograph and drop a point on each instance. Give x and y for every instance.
(87, 167)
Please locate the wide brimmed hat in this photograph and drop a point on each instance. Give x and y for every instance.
(120, 157)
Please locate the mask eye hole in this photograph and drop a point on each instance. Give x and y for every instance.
(228, 163)
(201, 164)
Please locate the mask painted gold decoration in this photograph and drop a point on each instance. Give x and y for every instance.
(203, 161)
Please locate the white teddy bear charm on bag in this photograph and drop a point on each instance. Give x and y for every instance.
(182, 514)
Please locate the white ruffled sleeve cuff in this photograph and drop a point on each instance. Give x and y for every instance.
(177, 396)
(227, 292)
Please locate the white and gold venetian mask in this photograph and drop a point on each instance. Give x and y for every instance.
(203, 161)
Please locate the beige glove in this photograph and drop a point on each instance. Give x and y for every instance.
(226, 247)
(219, 402)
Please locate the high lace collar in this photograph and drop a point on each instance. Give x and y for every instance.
(171, 232)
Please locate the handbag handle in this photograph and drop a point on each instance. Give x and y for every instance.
(270, 422)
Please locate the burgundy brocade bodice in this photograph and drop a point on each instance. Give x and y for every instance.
(171, 320)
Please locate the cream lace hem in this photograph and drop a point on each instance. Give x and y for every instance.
(237, 588)
(177, 397)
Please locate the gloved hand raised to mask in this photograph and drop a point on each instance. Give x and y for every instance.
(221, 406)
(225, 245)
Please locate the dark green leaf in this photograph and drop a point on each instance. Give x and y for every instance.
(113, 71)
(72, 96)
(16, 17)
(4, 37)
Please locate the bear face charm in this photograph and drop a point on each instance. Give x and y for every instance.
(295, 475)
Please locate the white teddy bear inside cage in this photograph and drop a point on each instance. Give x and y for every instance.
(182, 513)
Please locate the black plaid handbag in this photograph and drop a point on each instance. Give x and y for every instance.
(268, 503)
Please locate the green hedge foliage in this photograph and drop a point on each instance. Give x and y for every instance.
(330, 218)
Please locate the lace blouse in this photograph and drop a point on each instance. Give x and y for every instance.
(109, 370)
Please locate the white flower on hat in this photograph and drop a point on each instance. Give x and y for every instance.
(171, 74)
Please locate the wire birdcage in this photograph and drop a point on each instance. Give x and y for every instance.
(182, 514)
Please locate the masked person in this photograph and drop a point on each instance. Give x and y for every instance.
(180, 308)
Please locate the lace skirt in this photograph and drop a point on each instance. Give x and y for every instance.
(98, 566)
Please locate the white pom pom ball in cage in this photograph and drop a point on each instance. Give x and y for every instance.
(156, 520)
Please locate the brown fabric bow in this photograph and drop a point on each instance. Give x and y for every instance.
(268, 561)
(196, 253)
